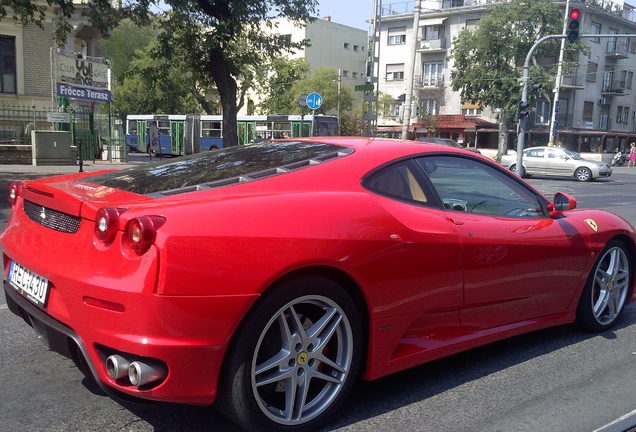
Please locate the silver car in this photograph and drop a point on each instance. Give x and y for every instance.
(555, 161)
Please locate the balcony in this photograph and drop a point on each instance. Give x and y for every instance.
(573, 82)
(432, 45)
(429, 82)
(617, 50)
(613, 88)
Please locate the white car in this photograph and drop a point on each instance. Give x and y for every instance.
(555, 161)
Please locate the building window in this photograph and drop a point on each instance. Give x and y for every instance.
(395, 72)
(629, 79)
(397, 36)
(430, 106)
(595, 29)
(7, 65)
(346, 46)
(591, 72)
(285, 38)
(471, 109)
(433, 74)
(345, 73)
(354, 75)
(588, 111)
(356, 48)
(542, 114)
(432, 32)
(625, 115)
(471, 24)
(619, 114)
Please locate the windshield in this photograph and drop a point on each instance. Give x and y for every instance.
(571, 154)
(226, 166)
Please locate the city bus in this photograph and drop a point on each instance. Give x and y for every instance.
(207, 130)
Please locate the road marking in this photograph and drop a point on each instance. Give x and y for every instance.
(618, 425)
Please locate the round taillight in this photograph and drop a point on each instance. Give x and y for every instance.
(141, 232)
(15, 190)
(106, 224)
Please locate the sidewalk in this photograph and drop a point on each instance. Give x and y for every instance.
(90, 166)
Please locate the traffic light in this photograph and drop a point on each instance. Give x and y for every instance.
(524, 109)
(573, 25)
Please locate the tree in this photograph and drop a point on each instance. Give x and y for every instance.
(221, 38)
(324, 81)
(154, 85)
(275, 88)
(489, 60)
(350, 123)
(120, 46)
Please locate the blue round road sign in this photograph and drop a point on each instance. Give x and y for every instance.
(314, 101)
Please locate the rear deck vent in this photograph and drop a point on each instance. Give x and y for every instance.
(50, 218)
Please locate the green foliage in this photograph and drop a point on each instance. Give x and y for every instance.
(155, 85)
(120, 46)
(275, 87)
(489, 60)
(385, 101)
(350, 123)
(218, 40)
(324, 81)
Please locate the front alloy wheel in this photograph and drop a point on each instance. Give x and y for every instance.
(294, 360)
(583, 174)
(606, 291)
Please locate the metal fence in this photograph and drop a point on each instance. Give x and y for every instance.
(101, 135)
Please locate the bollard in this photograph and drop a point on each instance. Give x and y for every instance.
(81, 162)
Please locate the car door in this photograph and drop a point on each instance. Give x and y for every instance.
(559, 163)
(518, 263)
(423, 270)
(534, 161)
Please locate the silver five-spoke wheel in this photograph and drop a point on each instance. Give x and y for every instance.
(294, 359)
(605, 294)
(301, 360)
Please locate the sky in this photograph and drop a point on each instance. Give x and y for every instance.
(352, 13)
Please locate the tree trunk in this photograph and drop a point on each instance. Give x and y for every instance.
(226, 85)
(502, 145)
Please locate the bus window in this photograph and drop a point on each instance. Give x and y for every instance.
(210, 129)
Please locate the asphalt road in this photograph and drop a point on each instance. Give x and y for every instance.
(559, 379)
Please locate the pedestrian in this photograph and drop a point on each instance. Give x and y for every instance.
(632, 155)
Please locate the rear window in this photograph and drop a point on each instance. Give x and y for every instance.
(219, 167)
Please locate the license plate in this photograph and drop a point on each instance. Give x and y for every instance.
(29, 284)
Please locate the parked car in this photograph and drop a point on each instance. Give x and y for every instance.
(267, 279)
(556, 161)
(447, 142)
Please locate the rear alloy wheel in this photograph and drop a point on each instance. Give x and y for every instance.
(294, 360)
(606, 290)
(583, 174)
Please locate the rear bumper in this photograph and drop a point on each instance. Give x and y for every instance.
(193, 362)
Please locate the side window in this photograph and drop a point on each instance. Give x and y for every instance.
(397, 181)
(468, 185)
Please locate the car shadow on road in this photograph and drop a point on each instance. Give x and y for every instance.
(376, 398)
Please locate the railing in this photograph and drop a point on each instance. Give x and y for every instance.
(17, 122)
(613, 87)
(617, 47)
(406, 7)
(436, 81)
(432, 44)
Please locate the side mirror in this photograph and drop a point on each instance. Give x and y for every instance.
(562, 202)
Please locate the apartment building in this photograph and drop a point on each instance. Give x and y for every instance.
(332, 45)
(597, 107)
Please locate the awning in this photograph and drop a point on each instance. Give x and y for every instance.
(432, 21)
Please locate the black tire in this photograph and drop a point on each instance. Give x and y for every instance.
(514, 170)
(606, 290)
(583, 174)
(278, 331)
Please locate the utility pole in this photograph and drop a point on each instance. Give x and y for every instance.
(557, 83)
(339, 92)
(406, 120)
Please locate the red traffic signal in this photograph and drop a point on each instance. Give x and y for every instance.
(573, 25)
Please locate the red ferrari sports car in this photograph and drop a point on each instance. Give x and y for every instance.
(267, 279)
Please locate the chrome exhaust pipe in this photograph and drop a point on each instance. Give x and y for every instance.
(117, 366)
(146, 372)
